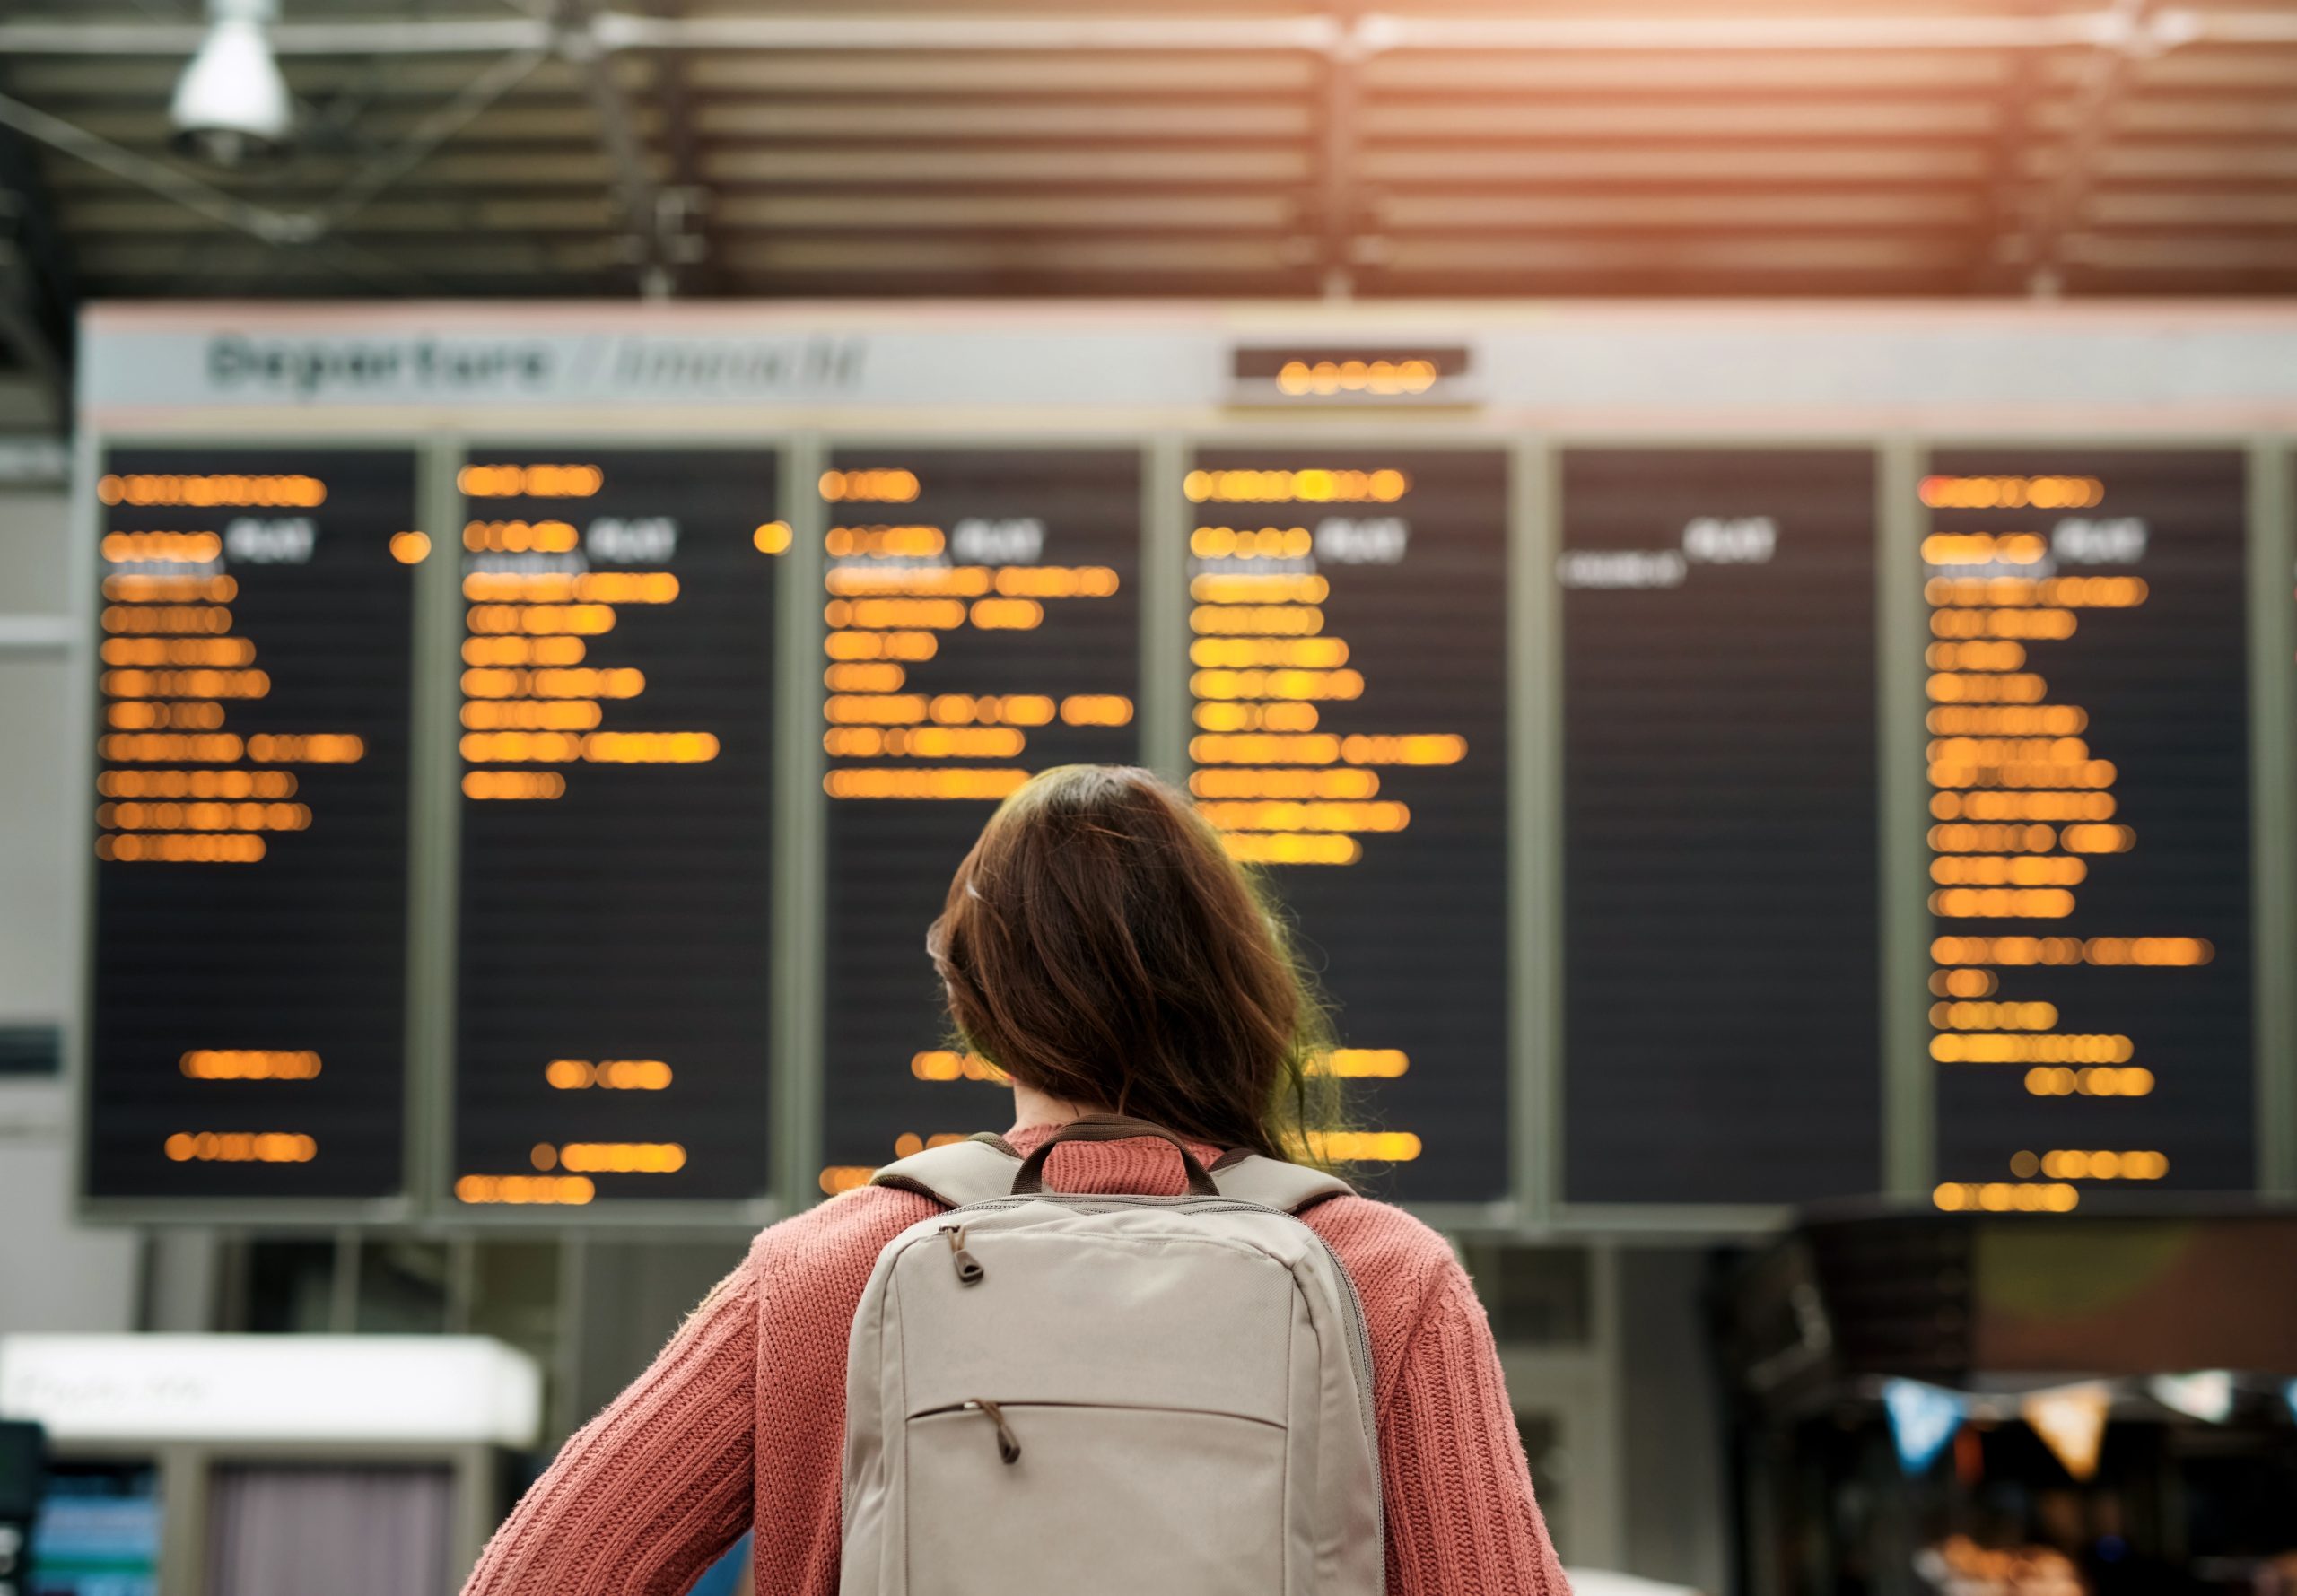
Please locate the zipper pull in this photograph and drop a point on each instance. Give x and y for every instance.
(969, 1270)
(1009, 1445)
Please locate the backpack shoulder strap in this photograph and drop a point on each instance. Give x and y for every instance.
(956, 1172)
(1275, 1184)
(982, 1167)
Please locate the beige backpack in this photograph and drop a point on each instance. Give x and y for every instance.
(1057, 1395)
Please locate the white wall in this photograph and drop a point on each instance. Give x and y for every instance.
(54, 1275)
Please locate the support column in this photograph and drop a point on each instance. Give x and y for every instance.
(2273, 807)
(800, 838)
(1909, 1091)
(1535, 839)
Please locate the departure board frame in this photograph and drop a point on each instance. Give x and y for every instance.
(87, 516)
(1553, 1064)
(1084, 397)
(1537, 1203)
(1157, 707)
(443, 612)
(2265, 555)
(1528, 1196)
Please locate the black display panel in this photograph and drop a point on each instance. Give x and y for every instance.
(617, 776)
(247, 1018)
(984, 623)
(2090, 845)
(1720, 941)
(1347, 626)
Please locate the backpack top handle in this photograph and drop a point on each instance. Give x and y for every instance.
(1029, 1182)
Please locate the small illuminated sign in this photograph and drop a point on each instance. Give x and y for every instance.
(1350, 374)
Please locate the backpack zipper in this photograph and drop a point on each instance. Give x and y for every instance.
(1009, 1445)
(968, 1267)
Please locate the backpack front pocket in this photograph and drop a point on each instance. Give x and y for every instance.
(1094, 1498)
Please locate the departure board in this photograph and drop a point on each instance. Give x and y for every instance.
(1349, 688)
(2089, 849)
(983, 615)
(616, 824)
(247, 1016)
(1720, 937)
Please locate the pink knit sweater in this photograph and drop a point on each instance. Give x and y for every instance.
(739, 1423)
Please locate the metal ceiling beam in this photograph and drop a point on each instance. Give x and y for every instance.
(2005, 194)
(441, 36)
(425, 137)
(651, 213)
(1338, 150)
(658, 240)
(227, 210)
(693, 248)
(271, 224)
(2040, 248)
(1370, 34)
(304, 228)
(1680, 35)
(1050, 31)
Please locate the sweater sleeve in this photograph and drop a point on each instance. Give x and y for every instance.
(649, 1493)
(1461, 1517)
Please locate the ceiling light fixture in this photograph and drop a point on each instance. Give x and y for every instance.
(232, 108)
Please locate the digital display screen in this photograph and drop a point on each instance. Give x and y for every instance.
(2089, 850)
(611, 803)
(97, 1532)
(247, 1006)
(983, 614)
(1720, 938)
(616, 758)
(1349, 689)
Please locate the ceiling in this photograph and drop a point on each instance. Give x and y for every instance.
(1206, 147)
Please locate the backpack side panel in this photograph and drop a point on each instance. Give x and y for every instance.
(870, 1503)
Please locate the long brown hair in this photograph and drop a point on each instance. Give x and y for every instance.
(1099, 945)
